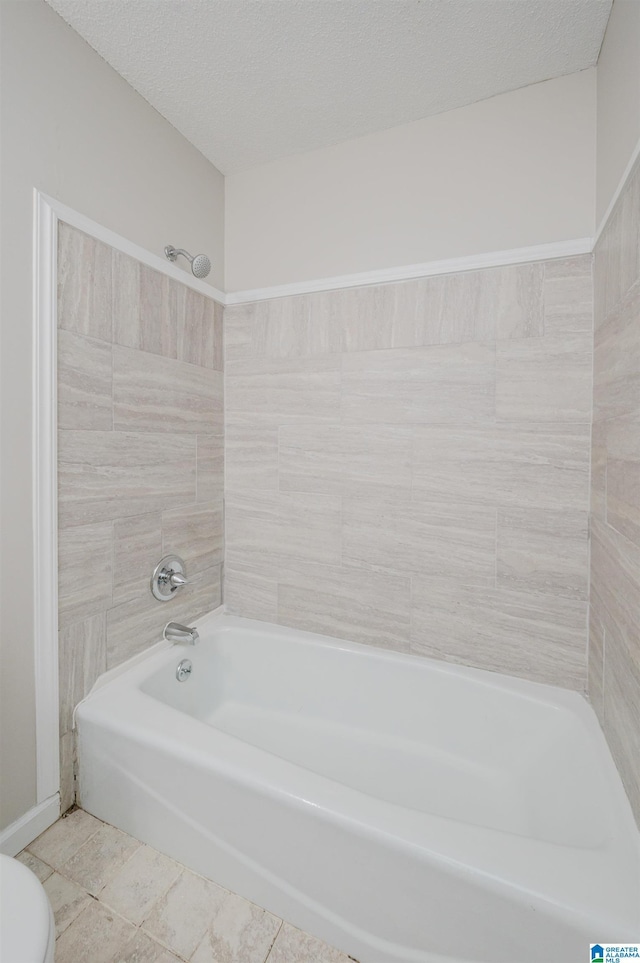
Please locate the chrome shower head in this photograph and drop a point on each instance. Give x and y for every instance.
(200, 264)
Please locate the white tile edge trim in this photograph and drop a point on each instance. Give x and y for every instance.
(45, 496)
(82, 223)
(472, 262)
(23, 831)
(618, 191)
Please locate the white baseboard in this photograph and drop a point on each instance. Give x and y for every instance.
(23, 831)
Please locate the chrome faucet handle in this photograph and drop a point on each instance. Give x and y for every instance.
(168, 576)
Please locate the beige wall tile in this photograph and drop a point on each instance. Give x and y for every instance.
(544, 379)
(145, 307)
(134, 626)
(616, 371)
(82, 654)
(283, 392)
(543, 551)
(84, 382)
(110, 475)
(439, 539)
(536, 637)
(623, 474)
(598, 469)
(210, 468)
(621, 707)
(84, 571)
(568, 296)
(137, 885)
(354, 319)
(195, 533)
(152, 393)
(523, 465)
(440, 384)
(343, 459)
(84, 284)
(199, 329)
(284, 526)
(615, 575)
(597, 638)
(95, 935)
(137, 549)
(250, 594)
(347, 603)
(251, 457)
(514, 296)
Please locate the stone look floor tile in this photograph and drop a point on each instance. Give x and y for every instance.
(182, 917)
(137, 886)
(67, 900)
(96, 936)
(41, 870)
(294, 946)
(240, 932)
(62, 840)
(142, 949)
(100, 858)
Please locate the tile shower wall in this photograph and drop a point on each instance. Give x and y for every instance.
(140, 459)
(614, 629)
(407, 465)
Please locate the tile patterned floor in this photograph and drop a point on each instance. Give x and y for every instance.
(116, 900)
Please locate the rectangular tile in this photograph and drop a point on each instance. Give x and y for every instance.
(135, 887)
(599, 469)
(84, 284)
(152, 393)
(84, 571)
(294, 946)
(523, 465)
(100, 858)
(616, 369)
(439, 539)
(623, 474)
(284, 526)
(210, 468)
(199, 329)
(544, 379)
(362, 606)
(536, 637)
(82, 655)
(621, 710)
(196, 534)
(568, 296)
(354, 319)
(134, 626)
(615, 576)
(440, 384)
(58, 843)
(544, 551)
(181, 918)
(137, 549)
(145, 307)
(596, 663)
(84, 382)
(95, 935)
(339, 459)
(281, 392)
(108, 475)
(67, 900)
(251, 457)
(250, 594)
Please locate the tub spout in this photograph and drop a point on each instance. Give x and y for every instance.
(174, 632)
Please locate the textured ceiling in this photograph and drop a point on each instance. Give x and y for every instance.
(248, 81)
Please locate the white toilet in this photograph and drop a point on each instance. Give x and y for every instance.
(27, 929)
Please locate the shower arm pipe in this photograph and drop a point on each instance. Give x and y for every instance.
(200, 263)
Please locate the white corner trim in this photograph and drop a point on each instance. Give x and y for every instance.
(44, 497)
(23, 831)
(82, 223)
(618, 191)
(472, 262)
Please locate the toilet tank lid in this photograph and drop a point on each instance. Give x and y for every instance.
(25, 915)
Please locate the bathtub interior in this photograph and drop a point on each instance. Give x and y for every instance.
(409, 732)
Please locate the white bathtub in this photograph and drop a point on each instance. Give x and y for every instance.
(399, 808)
